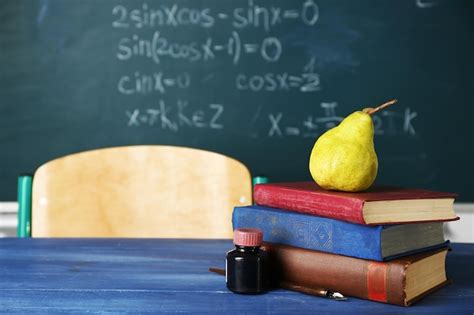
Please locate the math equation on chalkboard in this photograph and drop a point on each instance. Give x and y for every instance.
(184, 66)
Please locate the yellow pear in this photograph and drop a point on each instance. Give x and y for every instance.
(344, 158)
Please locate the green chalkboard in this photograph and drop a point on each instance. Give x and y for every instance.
(255, 80)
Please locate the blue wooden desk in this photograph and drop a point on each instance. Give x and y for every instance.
(113, 276)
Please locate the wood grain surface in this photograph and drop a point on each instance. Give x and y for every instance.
(139, 191)
(157, 276)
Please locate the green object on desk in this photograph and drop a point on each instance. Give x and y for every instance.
(24, 205)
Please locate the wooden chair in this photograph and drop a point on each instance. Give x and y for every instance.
(139, 191)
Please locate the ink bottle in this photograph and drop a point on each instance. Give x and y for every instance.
(246, 265)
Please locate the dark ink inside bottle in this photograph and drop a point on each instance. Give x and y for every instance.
(246, 265)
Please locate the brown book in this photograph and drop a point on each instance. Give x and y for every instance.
(400, 281)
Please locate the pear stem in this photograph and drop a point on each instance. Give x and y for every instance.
(380, 107)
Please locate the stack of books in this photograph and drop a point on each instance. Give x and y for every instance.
(385, 244)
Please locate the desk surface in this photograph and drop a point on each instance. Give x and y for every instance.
(159, 276)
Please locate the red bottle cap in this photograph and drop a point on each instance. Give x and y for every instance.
(248, 237)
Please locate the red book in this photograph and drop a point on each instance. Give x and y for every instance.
(378, 205)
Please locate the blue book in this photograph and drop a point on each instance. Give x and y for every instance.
(379, 242)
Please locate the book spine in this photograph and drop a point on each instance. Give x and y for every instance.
(311, 232)
(312, 203)
(306, 271)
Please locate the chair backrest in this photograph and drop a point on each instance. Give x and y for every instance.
(139, 191)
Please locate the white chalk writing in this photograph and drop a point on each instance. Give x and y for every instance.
(386, 123)
(158, 46)
(253, 15)
(177, 116)
(146, 83)
(171, 52)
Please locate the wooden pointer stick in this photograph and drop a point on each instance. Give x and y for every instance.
(371, 110)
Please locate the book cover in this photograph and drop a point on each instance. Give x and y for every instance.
(329, 235)
(309, 198)
(308, 271)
